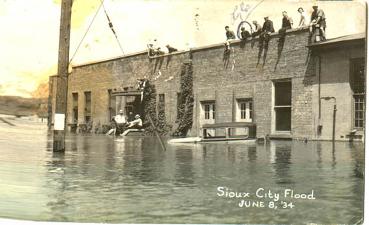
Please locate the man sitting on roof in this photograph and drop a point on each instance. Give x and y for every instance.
(171, 49)
(134, 125)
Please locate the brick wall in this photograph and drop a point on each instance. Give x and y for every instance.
(243, 78)
(124, 72)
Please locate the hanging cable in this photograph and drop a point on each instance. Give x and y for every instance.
(88, 29)
(112, 27)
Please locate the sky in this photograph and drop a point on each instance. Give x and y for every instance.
(30, 29)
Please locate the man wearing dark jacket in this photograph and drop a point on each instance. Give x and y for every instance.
(286, 24)
(286, 21)
(268, 25)
(244, 34)
(266, 31)
(229, 33)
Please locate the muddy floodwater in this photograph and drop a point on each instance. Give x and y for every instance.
(132, 180)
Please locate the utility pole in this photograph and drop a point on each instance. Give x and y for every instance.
(62, 77)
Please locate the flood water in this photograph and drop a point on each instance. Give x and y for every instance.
(133, 180)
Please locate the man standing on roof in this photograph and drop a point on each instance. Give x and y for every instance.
(317, 24)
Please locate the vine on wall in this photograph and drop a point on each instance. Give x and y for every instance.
(149, 109)
(185, 101)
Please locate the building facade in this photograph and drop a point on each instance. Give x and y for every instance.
(287, 87)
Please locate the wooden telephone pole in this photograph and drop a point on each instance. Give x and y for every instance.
(62, 78)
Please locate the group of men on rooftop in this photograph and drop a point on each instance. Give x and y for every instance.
(153, 50)
(317, 26)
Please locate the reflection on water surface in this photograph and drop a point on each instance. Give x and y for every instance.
(134, 181)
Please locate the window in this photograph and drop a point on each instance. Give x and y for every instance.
(161, 98)
(359, 110)
(179, 105)
(357, 75)
(244, 110)
(209, 111)
(87, 106)
(75, 108)
(111, 104)
(282, 105)
(357, 83)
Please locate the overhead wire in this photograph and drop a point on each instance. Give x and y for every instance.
(88, 29)
(112, 27)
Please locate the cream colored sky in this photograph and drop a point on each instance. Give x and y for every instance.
(30, 29)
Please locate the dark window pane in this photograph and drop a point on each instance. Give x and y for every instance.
(283, 119)
(282, 93)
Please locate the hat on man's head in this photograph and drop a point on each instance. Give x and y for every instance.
(315, 5)
(137, 116)
(300, 8)
(121, 111)
(266, 17)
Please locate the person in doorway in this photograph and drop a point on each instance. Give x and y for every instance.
(121, 122)
(130, 116)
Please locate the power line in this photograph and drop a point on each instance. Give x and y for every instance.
(112, 27)
(88, 29)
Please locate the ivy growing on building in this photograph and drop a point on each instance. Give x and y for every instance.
(149, 109)
(185, 101)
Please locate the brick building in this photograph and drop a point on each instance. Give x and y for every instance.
(288, 89)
